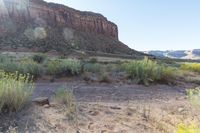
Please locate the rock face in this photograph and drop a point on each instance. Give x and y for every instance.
(49, 14)
(36, 25)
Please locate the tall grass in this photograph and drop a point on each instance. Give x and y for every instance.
(146, 71)
(195, 67)
(15, 91)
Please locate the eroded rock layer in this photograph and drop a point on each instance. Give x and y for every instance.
(50, 14)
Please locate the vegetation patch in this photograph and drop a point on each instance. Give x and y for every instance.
(24, 66)
(15, 91)
(39, 58)
(92, 67)
(193, 128)
(67, 99)
(195, 67)
(194, 96)
(146, 71)
(63, 66)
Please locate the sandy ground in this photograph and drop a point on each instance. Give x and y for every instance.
(107, 108)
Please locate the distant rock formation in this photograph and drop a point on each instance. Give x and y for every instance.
(40, 26)
(177, 54)
(50, 14)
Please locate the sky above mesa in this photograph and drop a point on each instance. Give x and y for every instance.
(149, 24)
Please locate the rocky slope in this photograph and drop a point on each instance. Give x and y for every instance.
(178, 54)
(38, 25)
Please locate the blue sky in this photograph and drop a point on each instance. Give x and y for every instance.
(149, 24)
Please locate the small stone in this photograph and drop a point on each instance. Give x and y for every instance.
(46, 106)
(52, 104)
(41, 101)
(181, 109)
(115, 108)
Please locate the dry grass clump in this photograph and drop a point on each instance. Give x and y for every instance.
(67, 99)
(15, 91)
(194, 96)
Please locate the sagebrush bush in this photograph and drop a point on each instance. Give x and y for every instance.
(92, 67)
(63, 66)
(39, 58)
(146, 71)
(195, 67)
(15, 91)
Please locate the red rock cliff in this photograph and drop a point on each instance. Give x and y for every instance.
(50, 14)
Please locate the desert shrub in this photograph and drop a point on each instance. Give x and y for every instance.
(104, 77)
(195, 67)
(194, 96)
(39, 58)
(15, 91)
(92, 67)
(71, 66)
(86, 76)
(23, 67)
(146, 71)
(53, 67)
(112, 67)
(93, 60)
(9, 66)
(31, 67)
(67, 99)
(4, 58)
(63, 66)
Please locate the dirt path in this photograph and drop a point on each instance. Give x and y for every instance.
(114, 93)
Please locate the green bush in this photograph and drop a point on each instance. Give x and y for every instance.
(195, 67)
(63, 66)
(4, 58)
(71, 66)
(23, 67)
(31, 67)
(15, 91)
(92, 67)
(9, 66)
(39, 58)
(146, 71)
(53, 67)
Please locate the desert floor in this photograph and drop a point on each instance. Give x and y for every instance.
(107, 108)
